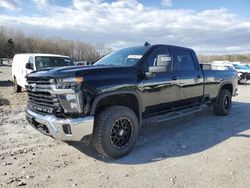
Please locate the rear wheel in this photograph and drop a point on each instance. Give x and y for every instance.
(115, 131)
(16, 87)
(224, 103)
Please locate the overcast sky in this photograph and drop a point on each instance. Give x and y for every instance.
(208, 26)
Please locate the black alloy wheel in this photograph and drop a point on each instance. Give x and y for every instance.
(121, 132)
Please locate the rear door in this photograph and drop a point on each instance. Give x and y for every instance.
(191, 76)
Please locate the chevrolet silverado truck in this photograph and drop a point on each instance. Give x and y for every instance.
(110, 99)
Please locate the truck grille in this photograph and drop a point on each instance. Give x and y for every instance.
(40, 81)
(42, 101)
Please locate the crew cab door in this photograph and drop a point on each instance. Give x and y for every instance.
(160, 91)
(191, 76)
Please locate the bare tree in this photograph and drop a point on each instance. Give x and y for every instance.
(13, 42)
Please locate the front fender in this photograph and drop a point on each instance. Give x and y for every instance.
(99, 97)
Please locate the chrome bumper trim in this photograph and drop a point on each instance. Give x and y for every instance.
(48, 88)
(80, 127)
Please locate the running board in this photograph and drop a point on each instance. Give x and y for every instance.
(175, 114)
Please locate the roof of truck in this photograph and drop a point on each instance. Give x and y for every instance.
(172, 46)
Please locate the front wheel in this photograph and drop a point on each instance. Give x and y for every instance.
(115, 131)
(224, 103)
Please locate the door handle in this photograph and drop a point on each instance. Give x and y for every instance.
(174, 77)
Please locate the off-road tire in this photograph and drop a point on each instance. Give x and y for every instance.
(224, 103)
(104, 125)
(16, 87)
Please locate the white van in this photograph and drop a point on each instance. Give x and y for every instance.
(24, 64)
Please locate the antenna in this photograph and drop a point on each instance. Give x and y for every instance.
(146, 43)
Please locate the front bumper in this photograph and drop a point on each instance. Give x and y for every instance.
(73, 129)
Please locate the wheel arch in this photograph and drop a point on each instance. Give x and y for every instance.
(129, 99)
(226, 85)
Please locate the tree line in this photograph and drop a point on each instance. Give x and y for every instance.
(14, 42)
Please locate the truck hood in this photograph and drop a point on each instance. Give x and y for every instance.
(57, 72)
(95, 76)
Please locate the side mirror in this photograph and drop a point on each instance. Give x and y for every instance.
(163, 64)
(29, 66)
(157, 69)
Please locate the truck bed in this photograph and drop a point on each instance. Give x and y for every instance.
(213, 75)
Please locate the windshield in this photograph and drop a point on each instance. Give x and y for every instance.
(45, 62)
(123, 57)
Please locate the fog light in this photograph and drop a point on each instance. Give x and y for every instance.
(66, 129)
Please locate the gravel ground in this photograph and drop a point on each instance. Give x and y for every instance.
(199, 150)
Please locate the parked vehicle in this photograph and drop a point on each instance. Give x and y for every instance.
(6, 61)
(243, 73)
(24, 64)
(111, 98)
(211, 66)
(248, 68)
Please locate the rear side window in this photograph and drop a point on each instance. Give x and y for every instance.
(184, 60)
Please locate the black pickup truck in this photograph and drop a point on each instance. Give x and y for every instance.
(111, 98)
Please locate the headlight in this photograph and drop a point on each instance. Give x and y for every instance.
(77, 80)
(71, 102)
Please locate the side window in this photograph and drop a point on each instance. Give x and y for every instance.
(162, 50)
(184, 60)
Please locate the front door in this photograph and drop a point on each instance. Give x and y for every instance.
(161, 90)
